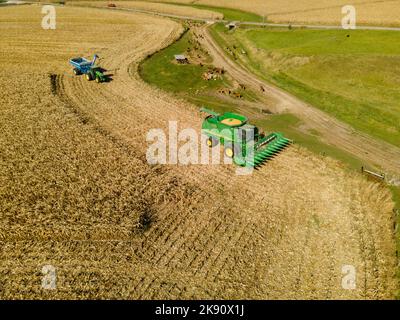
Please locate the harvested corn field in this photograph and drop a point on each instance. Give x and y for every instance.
(77, 193)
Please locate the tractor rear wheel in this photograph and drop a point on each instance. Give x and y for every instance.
(98, 79)
(211, 142)
(88, 76)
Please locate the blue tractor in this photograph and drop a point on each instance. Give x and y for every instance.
(88, 68)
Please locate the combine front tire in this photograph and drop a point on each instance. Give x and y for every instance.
(232, 150)
(88, 77)
(211, 142)
(76, 72)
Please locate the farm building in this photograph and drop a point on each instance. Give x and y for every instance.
(180, 58)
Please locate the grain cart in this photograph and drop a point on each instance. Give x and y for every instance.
(88, 68)
(243, 142)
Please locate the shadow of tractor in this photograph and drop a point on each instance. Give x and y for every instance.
(107, 76)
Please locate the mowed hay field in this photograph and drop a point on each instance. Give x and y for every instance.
(77, 193)
(383, 12)
(150, 6)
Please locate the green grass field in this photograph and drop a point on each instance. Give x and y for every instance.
(161, 70)
(396, 199)
(353, 75)
(186, 80)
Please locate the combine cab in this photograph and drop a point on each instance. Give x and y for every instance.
(242, 142)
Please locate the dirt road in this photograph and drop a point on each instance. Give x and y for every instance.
(331, 130)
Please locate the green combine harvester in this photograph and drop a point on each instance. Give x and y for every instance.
(242, 142)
